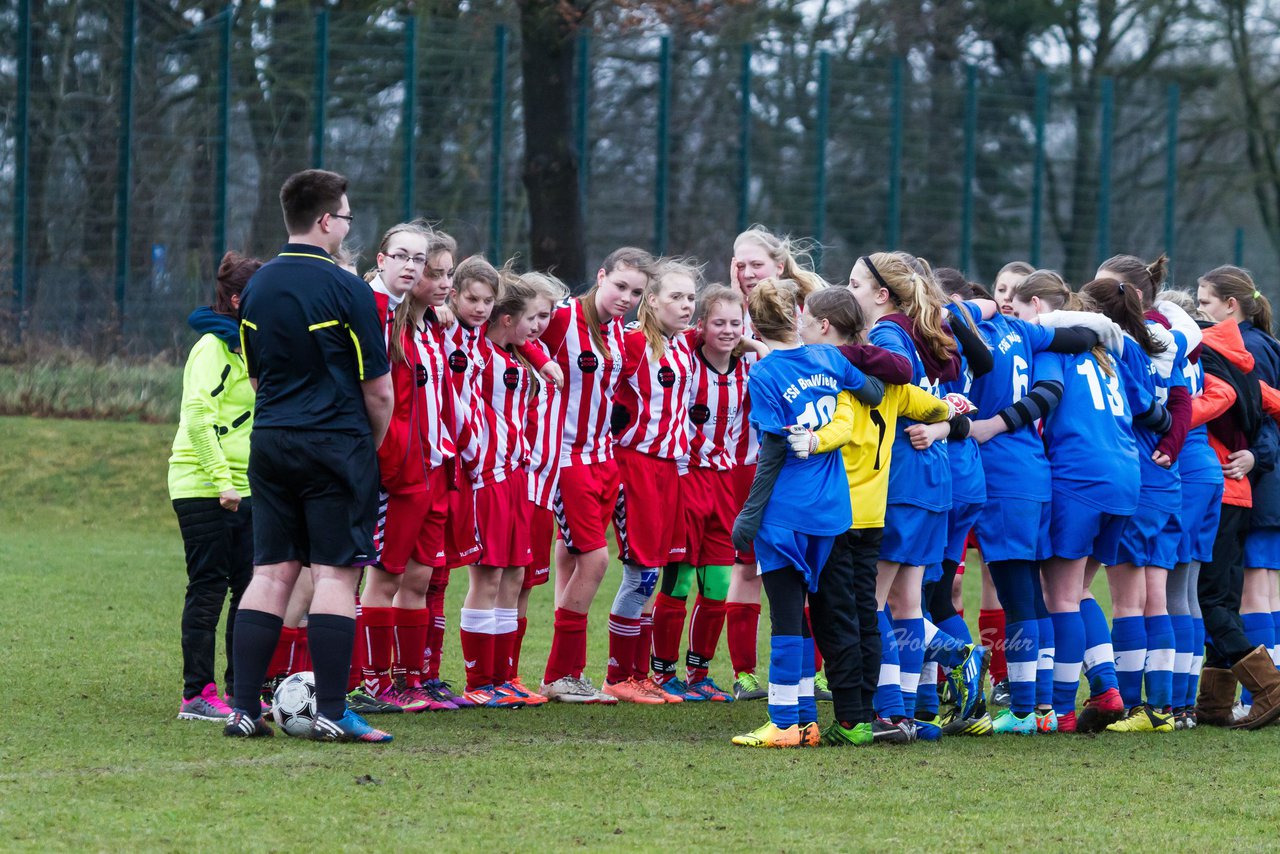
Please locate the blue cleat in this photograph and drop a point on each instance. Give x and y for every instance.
(349, 727)
(1007, 723)
(968, 678)
(711, 691)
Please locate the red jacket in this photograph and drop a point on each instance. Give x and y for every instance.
(402, 461)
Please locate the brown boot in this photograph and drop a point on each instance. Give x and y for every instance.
(1257, 672)
(1217, 693)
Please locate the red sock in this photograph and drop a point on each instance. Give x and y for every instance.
(411, 643)
(668, 625)
(476, 634)
(643, 648)
(435, 632)
(516, 644)
(379, 630)
(704, 635)
(744, 626)
(358, 653)
(624, 636)
(283, 654)
(568, 645)
(301, 653)
(817, 653)
(991, 635)
(502, 645)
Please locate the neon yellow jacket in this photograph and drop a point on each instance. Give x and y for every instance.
(211, 449)
(864, 434)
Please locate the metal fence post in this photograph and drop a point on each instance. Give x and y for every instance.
(584, 121)
(664, 147)
(495, 155)
(408, 116)
(744, 141)
(1104, 169)
(1037, 174)
(224, 136)
(1171, 178)
(970, 167)
(124, 177)
(820, 157)
(893, 216)
(322, 88)
(21, 157)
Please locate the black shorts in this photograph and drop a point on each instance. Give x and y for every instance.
(315, 497)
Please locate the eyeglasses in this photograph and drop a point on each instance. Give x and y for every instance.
(350, 218)
(402, 258)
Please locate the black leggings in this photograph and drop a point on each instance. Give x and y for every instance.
(937, 594)
(787, 592)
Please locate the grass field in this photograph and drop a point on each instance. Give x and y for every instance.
(91, 756)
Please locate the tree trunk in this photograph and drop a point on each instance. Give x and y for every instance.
(547, 53)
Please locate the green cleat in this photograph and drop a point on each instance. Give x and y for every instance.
(747, 687)
(1007, 723)
(821, 690)
(859, 735)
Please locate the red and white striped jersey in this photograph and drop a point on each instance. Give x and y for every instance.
(386, 303)
(467, 350)
(654, 393)
(501, 407)
(590, 377)
(715, 399)
(544, 429)
(440, 398)
(743, 445)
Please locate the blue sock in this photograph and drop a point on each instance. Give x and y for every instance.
(1260, 631)
(1044, 663)
(927, 691)
(888, 699)
(1129, 637)
(785, 661)
(1159, 660)
(910, 659)
(943, 648)
(959, 629)
(1068, 631)
(1197, 660)
(1275, 647)
(1022, 650)
(1099, 655)
(1183, 641)
(806, 705)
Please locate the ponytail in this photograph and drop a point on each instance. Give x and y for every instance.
(910, 284)
(1147, 278)
(1122, 303)
(1230, 282)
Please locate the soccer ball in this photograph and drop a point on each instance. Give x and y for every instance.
(294, 706)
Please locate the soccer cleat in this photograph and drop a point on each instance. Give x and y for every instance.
(633, 691)
(362, 703)
(435, 701)
(887, 732)
(349, 727)
(679, 689)
(1185, 719)
(769, 736)
(1099, 711)
(205, 706)
(408, 703)
(1007, 723)
(648, 686)
(747, 687)
(979, 724)
(968, 677)
(711, 691)
(492, 697)
(858, 735)
(821, 689)
(445, 690)
(516, 687)
(240, 725)
(568, 689)
(1046, 722)
(1067, 722)
(928, 730)
(1000, 695)
(1144, 718)
(810, 735)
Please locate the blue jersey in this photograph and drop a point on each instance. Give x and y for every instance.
(1014, 461)
(968, 482)
(921, 478)
(1089, 435)
(1197, 463)
(1161, 487)
(799, 386)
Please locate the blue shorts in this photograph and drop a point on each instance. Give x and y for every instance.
(913, 535)
(960, 519)
(1014, 529)
(1165, 555)
(932, 573)
(1078, 529)
(1262, 549)
(1201, 509)
(778, 548)
(1140, 542)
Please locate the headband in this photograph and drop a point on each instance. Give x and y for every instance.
(866, 259)
(1256, 294)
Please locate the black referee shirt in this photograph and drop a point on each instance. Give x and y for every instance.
(310, 334)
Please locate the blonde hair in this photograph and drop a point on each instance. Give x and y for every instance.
(773, 304)
(1230, 282)
(626, 256)
(915, 295)
(793, 255)
(476, 269)
(1185, 301)
(717, 294)
(1050, 288)
(646, 316)
(547, 286)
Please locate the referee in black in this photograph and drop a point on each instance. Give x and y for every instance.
(314, 348)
